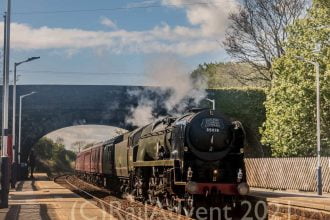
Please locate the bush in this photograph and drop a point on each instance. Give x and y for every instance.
(53, 158)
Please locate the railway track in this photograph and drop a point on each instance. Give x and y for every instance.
(118, 207)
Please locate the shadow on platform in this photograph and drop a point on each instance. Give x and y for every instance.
(16, 212)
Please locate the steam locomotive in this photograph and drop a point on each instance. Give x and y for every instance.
(172, 161)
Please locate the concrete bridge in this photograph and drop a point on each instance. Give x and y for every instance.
(58, 106)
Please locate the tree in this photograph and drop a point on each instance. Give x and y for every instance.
(53, 157)
(220, 75)
(290, 128)
(44, 148)
(59, 140)
(257, 33)
(77, 146)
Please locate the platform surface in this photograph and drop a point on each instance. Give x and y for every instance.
(304, 200)
(44, 199)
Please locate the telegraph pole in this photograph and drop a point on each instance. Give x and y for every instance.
(5, 99)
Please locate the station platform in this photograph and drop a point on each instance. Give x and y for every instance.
(41, 198)
(297, 199)
(294, 205)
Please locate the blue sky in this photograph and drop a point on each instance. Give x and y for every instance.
(112, 45)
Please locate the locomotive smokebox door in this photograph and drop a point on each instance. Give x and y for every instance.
(209, 132)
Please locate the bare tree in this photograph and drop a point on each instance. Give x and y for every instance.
(77, 146)
(258, 31)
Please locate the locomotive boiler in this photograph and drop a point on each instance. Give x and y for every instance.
(172, 161)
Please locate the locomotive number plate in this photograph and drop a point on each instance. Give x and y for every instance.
(212, 124)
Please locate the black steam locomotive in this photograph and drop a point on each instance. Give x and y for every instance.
(172, 161)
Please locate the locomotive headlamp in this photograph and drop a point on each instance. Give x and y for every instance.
(243, 189)
(192, 187)
(215, 175)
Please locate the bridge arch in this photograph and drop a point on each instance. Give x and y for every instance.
(78, 136)
(59, 106)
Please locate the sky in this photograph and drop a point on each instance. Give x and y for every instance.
(108, 42)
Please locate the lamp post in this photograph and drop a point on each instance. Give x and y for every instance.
(318, 123)
(213, 103)
(14, 170)
(20, 127)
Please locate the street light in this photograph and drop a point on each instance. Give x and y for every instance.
(213, 103)
(14, 176)
(20, 127)
(318, 126)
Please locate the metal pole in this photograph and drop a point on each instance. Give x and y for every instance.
(14, 168)
(3, 75)
(4, 154)
(19, 130)
(20, 126)
(4, 160)
(14, 114)
(318, 129)
(6, 82)
(318, 123)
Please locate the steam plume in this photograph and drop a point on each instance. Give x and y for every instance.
(170, 80)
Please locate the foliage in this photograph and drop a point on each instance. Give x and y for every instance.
(245, 105)
(258, 31)
(228, 74)
(53, 157)
(290, 128)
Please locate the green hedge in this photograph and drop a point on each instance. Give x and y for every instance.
(53, 158)
(245, 105)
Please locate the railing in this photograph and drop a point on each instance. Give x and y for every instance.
(287, 173)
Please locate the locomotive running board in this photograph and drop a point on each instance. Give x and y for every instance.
(157, 163)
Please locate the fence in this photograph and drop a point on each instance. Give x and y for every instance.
(287, 173)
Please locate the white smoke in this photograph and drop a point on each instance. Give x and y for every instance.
(167, 73)
(142, 114)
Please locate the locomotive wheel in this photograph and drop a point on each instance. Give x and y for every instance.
(174, 204)
(152, 200)
(137, 189)
(159, 202)
(188, 206)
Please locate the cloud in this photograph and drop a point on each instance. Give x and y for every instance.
(108, 22)
(207, 27)
(161, 39)
(211, 16)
